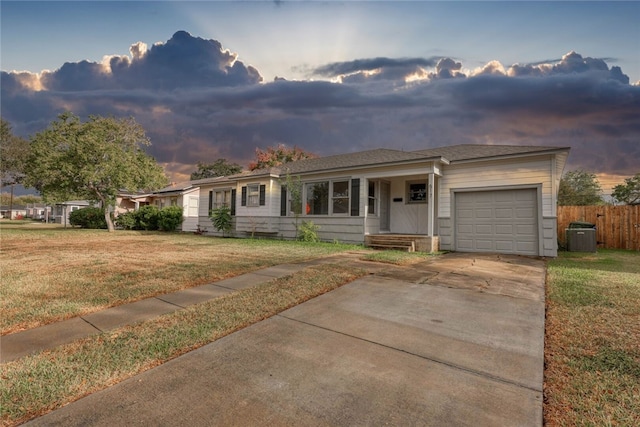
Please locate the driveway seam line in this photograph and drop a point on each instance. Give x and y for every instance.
(91, 324)
(441, 362)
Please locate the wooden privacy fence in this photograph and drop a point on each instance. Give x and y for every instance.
(617, 227)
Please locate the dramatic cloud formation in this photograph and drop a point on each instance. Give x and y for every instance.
(198, 102)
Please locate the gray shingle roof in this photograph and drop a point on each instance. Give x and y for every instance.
(383, 156)
(378, 156)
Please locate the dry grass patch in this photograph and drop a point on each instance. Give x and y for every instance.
(38, 384)
(592, 346)
(51, 274)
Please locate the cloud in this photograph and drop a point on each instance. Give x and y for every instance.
(183, 61)
(198, 102)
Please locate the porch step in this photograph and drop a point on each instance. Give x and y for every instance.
(395, 242)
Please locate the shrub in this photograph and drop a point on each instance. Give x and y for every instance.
(89, 217)
(127, 221)
(170, 218)
(308, 232)
(147, 218)
(221, 219)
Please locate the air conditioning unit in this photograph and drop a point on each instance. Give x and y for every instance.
(581, 240)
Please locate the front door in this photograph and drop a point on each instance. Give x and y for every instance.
(385, 191)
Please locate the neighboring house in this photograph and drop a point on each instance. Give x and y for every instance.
(62, 210)
(128, 202)
(39, 212)
(476, 198)
(13, 212)
(184, 195)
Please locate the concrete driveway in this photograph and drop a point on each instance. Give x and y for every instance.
(457, 341)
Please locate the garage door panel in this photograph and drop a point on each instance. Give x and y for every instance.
(504, 213)
(523, 196)
(526, 230)
(483, 213)
(465, 213)
(504, 229)
(504, 245)
(484, 198)
(484, 229)
(527, 246)
(497, 221)
(525, 212)
(465, 229)
(483, 245)
(464, 244)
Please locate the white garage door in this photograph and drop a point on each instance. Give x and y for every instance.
(504, 221)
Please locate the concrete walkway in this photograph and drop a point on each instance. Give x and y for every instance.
(457, 340)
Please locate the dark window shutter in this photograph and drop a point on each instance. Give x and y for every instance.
(233, 201)
(355, 197)
(210, 201)
(283, 201)
(263, 194)
(243, 202)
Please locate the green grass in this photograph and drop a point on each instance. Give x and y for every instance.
(592, 347)
(37, 384)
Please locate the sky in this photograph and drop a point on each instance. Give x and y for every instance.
(218, 79)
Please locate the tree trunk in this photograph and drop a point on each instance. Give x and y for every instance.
(107, 217)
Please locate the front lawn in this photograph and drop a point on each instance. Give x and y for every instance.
(51, 273)
(592, 345)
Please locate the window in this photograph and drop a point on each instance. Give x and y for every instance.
(340, 197)
(326, 197)
(174, 201)
(417, 192)
(253, 195)
(317, 198)
(221, 198)
(193, 206)
(372, 200)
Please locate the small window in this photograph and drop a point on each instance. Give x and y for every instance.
(222, 198)
(193, 206)
(174, 201)
(417, 192)
(372, 199)
(253, 195)
(340, 197)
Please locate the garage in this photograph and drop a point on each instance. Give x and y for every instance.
(502, 221)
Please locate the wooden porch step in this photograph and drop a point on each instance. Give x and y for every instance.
(395, 242)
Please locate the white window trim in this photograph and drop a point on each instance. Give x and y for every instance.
(330, 197)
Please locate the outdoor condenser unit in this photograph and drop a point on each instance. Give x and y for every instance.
(581, 237)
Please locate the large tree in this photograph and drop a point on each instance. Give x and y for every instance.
(579, 188)
(13, 154)
(220, 167)
(275, 156)
(629, 192)
(93, 160)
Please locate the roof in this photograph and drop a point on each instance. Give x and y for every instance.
(378, 156)
(381, 156)
(176, 188)
(455, 153)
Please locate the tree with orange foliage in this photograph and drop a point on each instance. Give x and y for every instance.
(276, 156)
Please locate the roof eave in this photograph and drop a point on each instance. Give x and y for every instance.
(376, 165)
(513, 155)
